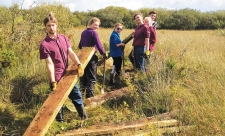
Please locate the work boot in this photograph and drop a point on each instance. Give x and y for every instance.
(59, 116)
(117, 81)
(90, 90)
(81, 111)
(111, 80)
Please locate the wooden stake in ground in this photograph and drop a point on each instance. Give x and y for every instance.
(103, 81)
(47, 113)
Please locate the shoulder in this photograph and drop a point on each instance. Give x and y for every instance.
(45, 41)
(114, 33)
(90, 31)
(151, 28)
(145, 26)
(61, 36)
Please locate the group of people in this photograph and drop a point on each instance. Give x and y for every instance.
(56, 48)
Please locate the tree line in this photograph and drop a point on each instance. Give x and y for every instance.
(182, 19)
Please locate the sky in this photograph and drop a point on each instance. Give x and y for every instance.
(93, 5)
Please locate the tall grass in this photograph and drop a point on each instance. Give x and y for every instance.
(187, 68)
(185, 78)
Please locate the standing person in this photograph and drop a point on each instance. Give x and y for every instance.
(152, 40)
(55, 49)
(140, 42)
(116, 51)
(90, 38)
(152, 14)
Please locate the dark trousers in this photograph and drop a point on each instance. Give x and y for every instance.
(88, 80)
(131, 58)
(117, 61)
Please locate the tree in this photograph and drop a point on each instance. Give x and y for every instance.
(5, 15)
(111, 15)
(184, 19)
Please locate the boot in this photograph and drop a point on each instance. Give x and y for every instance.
(59, 116)
(90, 90)
(117, 81)
(81, 111)
(111, 80)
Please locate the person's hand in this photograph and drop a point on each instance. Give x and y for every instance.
(105, 56)
(122, 44)
(80, 70)
(147, 53)
(53, 85)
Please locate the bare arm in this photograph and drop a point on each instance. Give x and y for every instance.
(73, 56)
(120, 44)
(147, 43)
(50, 69)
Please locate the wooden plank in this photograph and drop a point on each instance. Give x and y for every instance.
(128, 38)
(170, 130)
(99, 99)
(47, 113)
(103, 130)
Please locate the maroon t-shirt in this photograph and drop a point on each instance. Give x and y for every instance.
(152, 38)
(141, 32)
(57, 52)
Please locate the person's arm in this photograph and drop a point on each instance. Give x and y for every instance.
(98, 43)
(50, 69)
(147, 43)
(120, 44)
(115, 41)
(73, 56)
(75, 59)
(152, 36)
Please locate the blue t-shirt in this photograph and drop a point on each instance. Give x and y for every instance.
(114, 40)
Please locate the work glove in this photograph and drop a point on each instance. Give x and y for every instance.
(106, 55)
(147, 53)
(80, 70)
(53, 85)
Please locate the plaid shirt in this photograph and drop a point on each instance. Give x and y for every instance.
(154, 24)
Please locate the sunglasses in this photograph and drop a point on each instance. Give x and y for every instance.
(119, 28)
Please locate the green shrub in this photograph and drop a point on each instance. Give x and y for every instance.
(7, 58)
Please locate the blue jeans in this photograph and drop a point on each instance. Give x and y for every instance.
(139, 60)
(76, 96)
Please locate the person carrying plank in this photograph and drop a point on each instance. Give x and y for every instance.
(116, 52)
(90, 38)
(55, 50)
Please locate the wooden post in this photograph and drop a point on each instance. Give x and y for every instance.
(47, 113)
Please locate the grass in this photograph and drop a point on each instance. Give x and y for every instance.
(185, 78)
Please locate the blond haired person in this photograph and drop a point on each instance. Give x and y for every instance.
(90, 38)
(152, 39)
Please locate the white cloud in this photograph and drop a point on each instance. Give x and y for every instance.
(85, 5)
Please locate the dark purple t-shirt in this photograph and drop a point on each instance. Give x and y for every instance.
(58, 53)
(141, 32)
(152, 38)
(89, 38)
